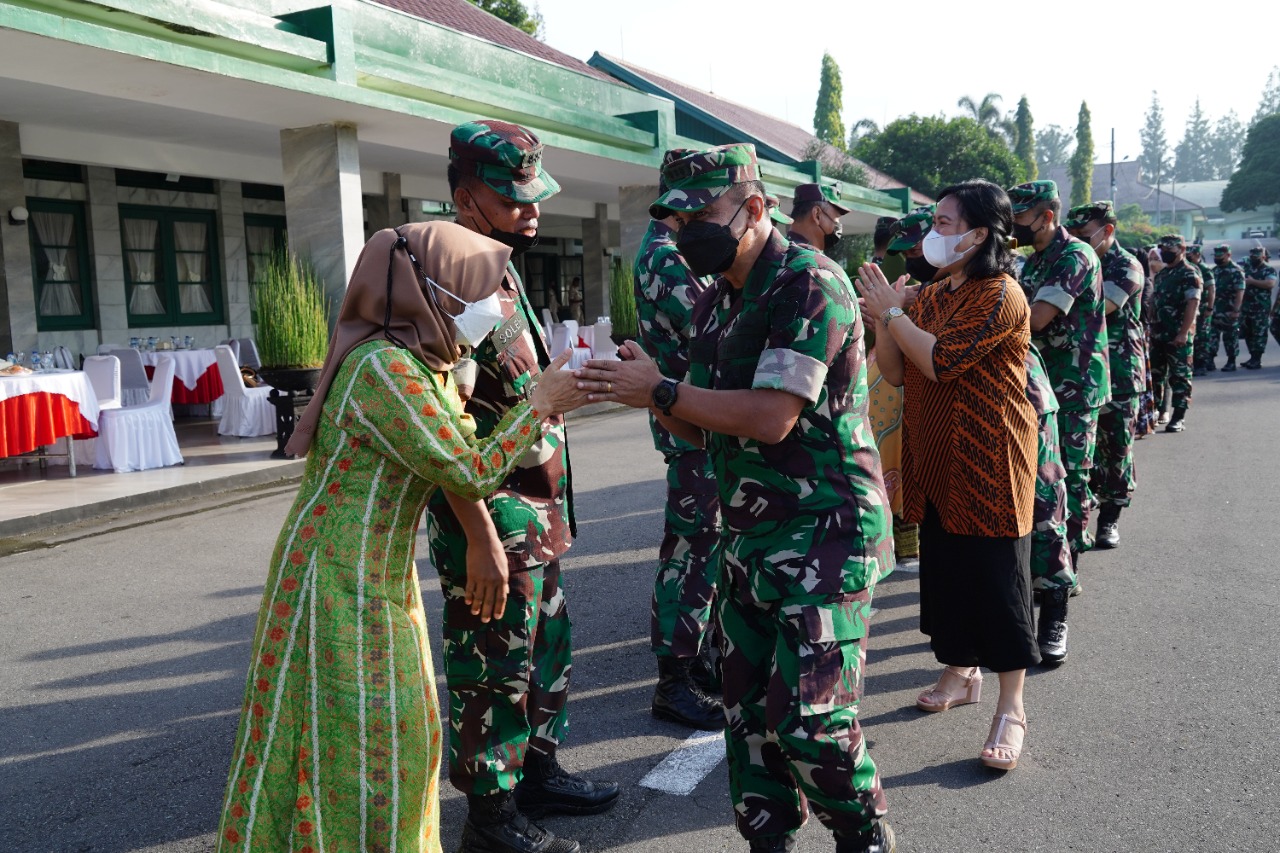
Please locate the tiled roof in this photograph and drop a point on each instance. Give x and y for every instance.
(1129, 188)
(467, 18)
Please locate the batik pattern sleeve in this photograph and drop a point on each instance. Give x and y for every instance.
(804, 319)
(971, 334)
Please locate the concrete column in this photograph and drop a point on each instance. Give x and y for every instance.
(235, 259)
(322, 202)
(386, 210)
(17, 283)
(633, 206)
(595, 264)
(102, 207)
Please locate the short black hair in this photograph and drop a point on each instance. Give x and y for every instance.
(746, 189)
(883, 236)
(801, 208)
(986, 205)
(459, 180)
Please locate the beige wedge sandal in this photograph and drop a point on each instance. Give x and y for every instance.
(936, 700)
(999, 724)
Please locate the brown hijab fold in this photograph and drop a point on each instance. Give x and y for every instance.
(461, 261)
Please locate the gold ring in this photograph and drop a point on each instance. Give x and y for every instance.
(608, 387)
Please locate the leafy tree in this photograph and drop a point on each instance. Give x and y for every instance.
(861, 128)
(1195, 152)
(1134, 229)
(1155, 147)
(827, 124)
(1053, 148)
(1270, 101)
(1228, 140)
(1082, 160)
(514, 13)
(987, 114)
(1257, 182)
(930, 152)
(1024, 140)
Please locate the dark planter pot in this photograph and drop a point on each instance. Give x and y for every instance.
(291, 378)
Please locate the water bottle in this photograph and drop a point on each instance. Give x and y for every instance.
(151, 344)
(10, 358)
(133, 342)
(47, 360)
(35, 359)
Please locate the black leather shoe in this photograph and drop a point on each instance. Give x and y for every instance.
(1211, 367)
(1229, 367)
(678, 699)
(705, 669)
(1051, 633)
(547, 788)
(878, 839)
(1253, 364)
(772, 844)
(495, 826)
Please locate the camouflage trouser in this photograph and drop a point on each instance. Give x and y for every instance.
(508, 678)
(792, 681)
(1171, 365)
(1275, 322)
(1253, 328)
(1050, 550)
(1228, 330)
(1078, 432)
(1204, 321)
(1113, 474)
(689, 559)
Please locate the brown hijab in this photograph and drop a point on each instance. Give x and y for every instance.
(461, 261)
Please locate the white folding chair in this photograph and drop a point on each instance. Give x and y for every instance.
(141, 437)
(248, 353)
(135, 388)
(107, 349)
(104, 375)
(245, 411)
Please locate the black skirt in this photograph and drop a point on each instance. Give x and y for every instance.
(975, 598)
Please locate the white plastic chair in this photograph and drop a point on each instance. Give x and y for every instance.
(62, 358)
(141, 437)
(135, 388)
(104, 375)
(246, 411)
(107, 349)
(248, 353)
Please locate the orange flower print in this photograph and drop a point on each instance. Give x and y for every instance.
(268, 659)
(276, 634)
(320, 510)
(334, 488)
(307, 532)
(445, 433)
(297, 558)
(399, 367)
(305, 827)
(429, 410)
(508, 445)
(283, 609)
(263, 685)
(304, 801)
(525, 430)
(289, 584)
(237, 811)
(344, 465)
(413, 387)
(231, 835)
(251, 760)
(495, 460)
(258, 711)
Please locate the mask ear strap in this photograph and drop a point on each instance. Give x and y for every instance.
(400, 243)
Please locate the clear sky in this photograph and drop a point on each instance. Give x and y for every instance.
(900, 58)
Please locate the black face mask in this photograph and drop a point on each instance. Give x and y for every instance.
(1024, 234)
(920, 269)
(830, 241)
(518, 242)
(709, 248)
(1169, 257)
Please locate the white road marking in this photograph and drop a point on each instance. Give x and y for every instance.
(681, 771)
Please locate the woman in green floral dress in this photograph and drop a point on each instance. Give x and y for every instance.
(339, 741)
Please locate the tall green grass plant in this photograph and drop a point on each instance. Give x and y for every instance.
(292, 314)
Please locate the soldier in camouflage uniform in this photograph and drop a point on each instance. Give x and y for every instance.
(1259, 280)
(1201, 360)
(1113, 479)
(689, 559)
(777, 390)
(1063, 283)
(508, 667)
(1177, 302)
(1228, 281)
(815, 214)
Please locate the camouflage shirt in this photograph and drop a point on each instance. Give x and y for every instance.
(533, 508)
(1122, 281)
(1228, 279)
(1175, 286)
(1074, 343)
(1257, 299)
(665, 291)
(808, 515)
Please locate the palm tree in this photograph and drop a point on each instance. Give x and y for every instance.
(861, 129)
(987, 113)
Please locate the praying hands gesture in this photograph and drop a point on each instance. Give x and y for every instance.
(878, 295)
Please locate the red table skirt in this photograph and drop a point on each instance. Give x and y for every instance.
(208, 388)
(34, 420)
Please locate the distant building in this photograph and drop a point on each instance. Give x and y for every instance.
(1237, 225)
(1158, 202)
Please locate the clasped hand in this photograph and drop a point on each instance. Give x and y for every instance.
(878, 295)
(557, 391)
(630, 381)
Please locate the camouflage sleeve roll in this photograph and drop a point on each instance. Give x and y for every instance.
(800, 345)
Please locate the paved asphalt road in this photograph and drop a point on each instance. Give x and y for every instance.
(123, 652)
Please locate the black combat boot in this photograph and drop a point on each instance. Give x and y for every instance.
(772, 844)
(1209, 366)
(1254, 363)
(495, 826)
(1051, 633)
(677, 699)
(1176, 422)
(1075, 570)
(547, 788)
(878, 839)
(705, 669)
(1108, 526)
(1230, 366)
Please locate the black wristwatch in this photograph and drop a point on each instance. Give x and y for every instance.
(665, 395)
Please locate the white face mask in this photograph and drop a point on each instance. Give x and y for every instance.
(477, 319)
(940, 249)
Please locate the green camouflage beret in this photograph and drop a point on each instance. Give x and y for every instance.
(911, 229)
(505, 156)
(1083, 214)
(775, 212)
(830, 193)
(700, 177)
(1173, 241)
(1028, 195)
(1221, 249)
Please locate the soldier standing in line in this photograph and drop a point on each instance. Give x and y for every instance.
(777, 390)
(1063, 282)
(507, 648)
(1177, 301)
(1259, 280)
(1201, 360)
(816, 212)
(689, 559)
(1113, 479)
(1228, 281)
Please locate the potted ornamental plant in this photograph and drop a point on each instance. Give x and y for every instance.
(292, 315)
(622, 303)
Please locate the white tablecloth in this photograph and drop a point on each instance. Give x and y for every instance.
(72, 384)
(189, 364)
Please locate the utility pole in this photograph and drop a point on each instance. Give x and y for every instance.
(1113, 165)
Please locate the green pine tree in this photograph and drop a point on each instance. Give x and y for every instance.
(1155, 147)
(1024, 140)
(827, 124)
(1228, 140)
(1270, 102)
(1082, 161)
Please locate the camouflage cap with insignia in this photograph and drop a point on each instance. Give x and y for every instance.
(911, 229)
(668, 157)
(1028, 195)
(775, 211)
(505, 156)
(1083, 214)
(700, 177)
(1172, 241)
(1256, 251)
(1221, 249)
(1193, 249)
(830, 193)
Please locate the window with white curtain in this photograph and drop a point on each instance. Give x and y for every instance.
(60, 264)
(171, 266)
